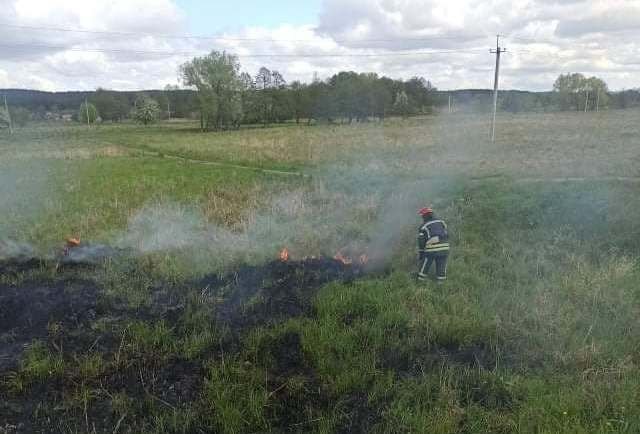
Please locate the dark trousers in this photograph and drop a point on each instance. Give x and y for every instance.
(427, 259)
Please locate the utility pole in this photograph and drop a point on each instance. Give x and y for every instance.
(598, 101)
(497, 52)
(6, 108)
(86, 107)
(169, 109)
(449, 103)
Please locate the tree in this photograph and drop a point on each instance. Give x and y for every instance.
(263, 79)
(346, 93)
(278, 80)
(567, 87)
(264, 97)
(599, 93)
(87, 109)
(281, 109)
(146, 110)
(401, 105)
(383, 89)
(169, 100)
(112, 106)
(421, 92)
(163, 104)
(216, 78)
(579, 92)
(250, 103)
(300, 98)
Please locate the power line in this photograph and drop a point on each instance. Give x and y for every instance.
(224, 38)
(196, 53)
(532, 40)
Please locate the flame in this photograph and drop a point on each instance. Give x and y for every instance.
(73, 242)
(284, 255)
(344, 259)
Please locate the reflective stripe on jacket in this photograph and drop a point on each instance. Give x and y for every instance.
(438, 247)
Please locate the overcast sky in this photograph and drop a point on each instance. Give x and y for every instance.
(139, 44)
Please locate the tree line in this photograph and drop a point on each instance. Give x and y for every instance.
(221, 96)
(227, 97)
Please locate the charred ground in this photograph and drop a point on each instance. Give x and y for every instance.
(52, 314)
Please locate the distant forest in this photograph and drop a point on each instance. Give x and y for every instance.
(345, 97)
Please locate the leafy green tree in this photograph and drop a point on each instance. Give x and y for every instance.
(401, 105)
(422, 93)
(112, 106)
(300, 101)
(87, 109)
(599, 93)
(324, 101)
(250, 103)
(264, 84)
(345, 93)
(217, 80)
(569, 88)
(146, 110)
(579, 92)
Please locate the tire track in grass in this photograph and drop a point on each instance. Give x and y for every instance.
(279, 172)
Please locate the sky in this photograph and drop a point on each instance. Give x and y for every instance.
(58, 45)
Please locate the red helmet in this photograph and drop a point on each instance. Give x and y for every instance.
(425, 211)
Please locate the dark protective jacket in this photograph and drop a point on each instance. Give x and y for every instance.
(427, 242)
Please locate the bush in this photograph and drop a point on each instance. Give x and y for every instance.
(147, 110)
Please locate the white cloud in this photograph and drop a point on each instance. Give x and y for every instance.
(4, 79)
(118, 15)
(593, 37)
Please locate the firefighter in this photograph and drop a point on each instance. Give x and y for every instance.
(433, 245)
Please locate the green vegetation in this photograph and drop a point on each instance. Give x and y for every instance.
(535, 331)
(536, 336)
(146, 110)
(224, 98)
(87, 113)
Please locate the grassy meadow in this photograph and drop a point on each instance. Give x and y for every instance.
(535, 331)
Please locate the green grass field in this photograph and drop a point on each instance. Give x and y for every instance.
(535, 331)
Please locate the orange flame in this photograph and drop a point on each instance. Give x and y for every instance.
(344, 259)
(73, 242)
(284, 255)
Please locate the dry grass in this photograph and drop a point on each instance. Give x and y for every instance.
(550, 145)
